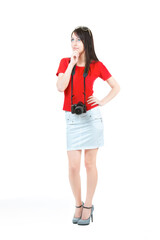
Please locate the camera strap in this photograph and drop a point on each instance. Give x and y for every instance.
(85, 73)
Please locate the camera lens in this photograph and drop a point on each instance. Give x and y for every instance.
(79, 110)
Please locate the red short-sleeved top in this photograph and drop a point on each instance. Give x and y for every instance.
(98, 69)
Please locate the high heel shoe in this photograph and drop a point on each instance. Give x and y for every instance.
(87, 221)
(75, 220)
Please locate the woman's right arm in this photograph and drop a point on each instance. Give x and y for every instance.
(63, 78)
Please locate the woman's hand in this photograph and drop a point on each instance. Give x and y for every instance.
(74, 57)
(94, 100)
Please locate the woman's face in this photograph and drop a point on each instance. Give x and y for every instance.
(77, 44)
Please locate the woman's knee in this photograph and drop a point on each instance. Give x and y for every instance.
(74, 159)
(90, 158)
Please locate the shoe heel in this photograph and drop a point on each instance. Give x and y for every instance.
(87, 221)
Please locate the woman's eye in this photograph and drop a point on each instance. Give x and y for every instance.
(78, 39)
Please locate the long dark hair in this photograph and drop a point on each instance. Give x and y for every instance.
(85, 34)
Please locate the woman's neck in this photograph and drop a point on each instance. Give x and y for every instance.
(81, 60)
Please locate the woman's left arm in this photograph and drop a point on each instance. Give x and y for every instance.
(114, 91)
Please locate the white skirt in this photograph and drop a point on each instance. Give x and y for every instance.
(84, 131)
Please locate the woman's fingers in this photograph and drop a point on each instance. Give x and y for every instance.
(94, 100)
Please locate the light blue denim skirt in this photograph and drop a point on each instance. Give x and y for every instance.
(84, 131)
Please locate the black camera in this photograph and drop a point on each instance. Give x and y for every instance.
(78, 108)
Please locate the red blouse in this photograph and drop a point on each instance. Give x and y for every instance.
(98, 69)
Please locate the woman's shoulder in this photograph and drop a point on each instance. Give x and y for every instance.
(66, 59)
(96, 62)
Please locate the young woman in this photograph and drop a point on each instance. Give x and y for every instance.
(84, 123)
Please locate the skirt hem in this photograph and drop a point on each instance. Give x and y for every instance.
(82, 148)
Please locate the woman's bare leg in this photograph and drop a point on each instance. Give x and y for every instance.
(92, 176)
(74, 159)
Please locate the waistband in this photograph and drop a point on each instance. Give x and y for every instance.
(93, 111)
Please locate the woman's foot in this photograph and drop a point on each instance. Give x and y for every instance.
(78, 212)
(86, 212)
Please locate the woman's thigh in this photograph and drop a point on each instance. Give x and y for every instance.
(90, 157)
(74, 158)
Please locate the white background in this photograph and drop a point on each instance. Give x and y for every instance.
(36, 201)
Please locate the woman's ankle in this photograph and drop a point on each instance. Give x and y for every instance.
(78, 203)
(88, 204)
